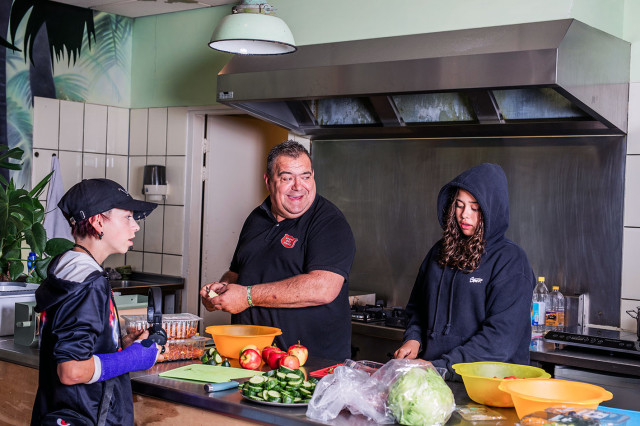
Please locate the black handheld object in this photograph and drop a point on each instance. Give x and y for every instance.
(154, 317)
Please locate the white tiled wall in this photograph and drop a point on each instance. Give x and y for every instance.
(97, 141)
(631, 236)
(158, 136)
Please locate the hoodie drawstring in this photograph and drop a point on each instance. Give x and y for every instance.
(435, 314)
(448, 326)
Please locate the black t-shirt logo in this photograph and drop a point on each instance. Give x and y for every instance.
(288, 241)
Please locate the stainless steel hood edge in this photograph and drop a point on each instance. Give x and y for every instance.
(588, 66)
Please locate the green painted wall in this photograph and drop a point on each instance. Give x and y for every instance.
(632, 33)
(173, 66)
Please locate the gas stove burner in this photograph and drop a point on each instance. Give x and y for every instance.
(368, 313)
(397, 318)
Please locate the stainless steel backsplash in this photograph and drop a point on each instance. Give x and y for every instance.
(566, 199)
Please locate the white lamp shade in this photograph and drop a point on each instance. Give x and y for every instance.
(253, 34)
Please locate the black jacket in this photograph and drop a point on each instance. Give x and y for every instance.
(78, 320)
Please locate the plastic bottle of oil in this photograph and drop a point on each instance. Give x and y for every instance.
(555, 310)
(539, 305)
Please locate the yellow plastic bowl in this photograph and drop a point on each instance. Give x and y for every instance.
(538, 394)
(482, 387)
(230, 339)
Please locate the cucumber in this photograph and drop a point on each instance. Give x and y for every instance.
(257, 380)
(265, 394)
(295, 383)
(255, 388)
(292, 376)
(270, 373)
(274, 396)
(257, 398)
(304, 392)
(217, 358)
(287, 399)
(270, 383)
(285, 370)
(307, 384)
(281, 376)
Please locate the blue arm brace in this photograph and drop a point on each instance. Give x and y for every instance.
(136, 357)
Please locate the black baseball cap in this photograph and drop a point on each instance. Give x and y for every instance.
(93, 196)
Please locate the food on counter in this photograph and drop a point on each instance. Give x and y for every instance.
(211, 357)
(300, 351)
(226, 363)
(177, 326)
(273, 360)
(254, 347)
(266, 351)
(250, 359)
(184, 349)
(212, 294)
(421, 397)
(283, 385)
(289, 361)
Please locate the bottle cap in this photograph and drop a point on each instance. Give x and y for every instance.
(540, 278)
(555, 287)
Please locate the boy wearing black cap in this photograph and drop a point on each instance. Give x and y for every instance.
(84, 364)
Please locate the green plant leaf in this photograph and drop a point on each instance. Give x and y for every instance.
(37, 190)
(39, 238)
(56, 246)
(16, 268)
(41, 268)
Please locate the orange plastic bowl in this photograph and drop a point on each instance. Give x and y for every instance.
(533, 395)
(481, 380)
(230, 339)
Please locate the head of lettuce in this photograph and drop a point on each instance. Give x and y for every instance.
(420, 397)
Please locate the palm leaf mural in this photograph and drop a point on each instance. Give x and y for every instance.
(112, 36)
(65, 26)
(18, 88)
(71, 87)
(20, 135)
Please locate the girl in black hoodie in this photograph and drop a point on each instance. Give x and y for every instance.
(471, 300)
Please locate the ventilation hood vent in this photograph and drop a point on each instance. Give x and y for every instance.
(543, 78)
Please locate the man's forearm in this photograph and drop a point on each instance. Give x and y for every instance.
(311, 289)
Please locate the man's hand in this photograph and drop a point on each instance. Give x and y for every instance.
(232, 298)
(210, 292)
(409, 350)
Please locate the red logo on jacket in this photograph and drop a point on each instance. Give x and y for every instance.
(288, 241)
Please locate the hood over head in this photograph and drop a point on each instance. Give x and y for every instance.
(488, 184)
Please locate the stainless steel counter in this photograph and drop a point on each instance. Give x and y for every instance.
(231, 403)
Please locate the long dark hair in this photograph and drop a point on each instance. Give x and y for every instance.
(458, 250)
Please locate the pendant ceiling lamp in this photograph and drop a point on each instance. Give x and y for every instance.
(253, 29)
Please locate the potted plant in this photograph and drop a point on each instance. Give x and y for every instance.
(21, 217)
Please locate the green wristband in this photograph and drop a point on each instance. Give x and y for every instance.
(249, 296)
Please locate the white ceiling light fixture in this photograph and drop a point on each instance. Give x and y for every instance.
(253, 29)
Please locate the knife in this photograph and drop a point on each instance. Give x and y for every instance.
(216, 387)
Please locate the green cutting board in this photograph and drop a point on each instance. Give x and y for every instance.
(208, 373)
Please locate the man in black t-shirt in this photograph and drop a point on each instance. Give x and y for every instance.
(291, 266)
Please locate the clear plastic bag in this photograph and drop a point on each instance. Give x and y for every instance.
(422, 392)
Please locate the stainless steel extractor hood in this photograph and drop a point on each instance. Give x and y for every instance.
(554, 77)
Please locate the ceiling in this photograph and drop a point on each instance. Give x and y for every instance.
(138, 8)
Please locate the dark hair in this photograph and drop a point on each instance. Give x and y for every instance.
(458, 250)
(84, 228)
(290, 149)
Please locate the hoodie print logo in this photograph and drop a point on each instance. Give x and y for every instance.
(474, 280)
(61, 422)
(288, 241)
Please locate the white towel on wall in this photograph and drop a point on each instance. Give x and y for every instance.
(54, 222)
